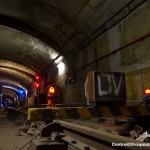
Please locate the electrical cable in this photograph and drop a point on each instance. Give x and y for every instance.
(29, 142)
(94, 34)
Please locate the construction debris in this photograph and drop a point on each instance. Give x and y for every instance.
(31, 129)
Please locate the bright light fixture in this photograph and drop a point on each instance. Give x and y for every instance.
(61, 67)
(58, 59)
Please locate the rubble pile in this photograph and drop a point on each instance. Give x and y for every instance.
(139, 134)
(130, 129)
(31, 129)
(123, 127)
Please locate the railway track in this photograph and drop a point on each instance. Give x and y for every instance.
(79, 135)
(83, 134)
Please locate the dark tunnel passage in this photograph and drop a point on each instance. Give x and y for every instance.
(50, 39)
(75, 71)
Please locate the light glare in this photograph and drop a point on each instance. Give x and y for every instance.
(61, 67)
(58, 59)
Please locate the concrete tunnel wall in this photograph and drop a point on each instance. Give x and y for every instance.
(133, 60)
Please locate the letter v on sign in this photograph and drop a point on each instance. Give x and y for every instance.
(117, 88)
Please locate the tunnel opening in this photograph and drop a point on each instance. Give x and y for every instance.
(7, 101)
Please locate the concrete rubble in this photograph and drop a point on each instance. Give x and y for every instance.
(31, 129)
(140, 135)
(125, 127)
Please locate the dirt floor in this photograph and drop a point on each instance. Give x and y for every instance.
(9, 138)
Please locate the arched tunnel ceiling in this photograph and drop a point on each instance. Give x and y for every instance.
(33, 32)
(24, 48)
(61, 23)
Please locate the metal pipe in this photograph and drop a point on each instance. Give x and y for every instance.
(115, 51)
(92, 36)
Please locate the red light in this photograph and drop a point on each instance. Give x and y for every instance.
(36, 85)
(147, 91)
(37, 77)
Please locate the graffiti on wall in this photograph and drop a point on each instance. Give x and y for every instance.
(109, 85)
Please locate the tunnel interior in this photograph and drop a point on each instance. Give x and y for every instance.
(22, 57)
(63, 40)
(72, 66)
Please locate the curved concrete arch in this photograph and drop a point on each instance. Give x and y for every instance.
(16, 91)
(19, 82)
(20, 46)
(24, 27)
(11, 82)
(10, 92)
(10, 87)
(13, 86)
(17, 73)
(13, 65)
